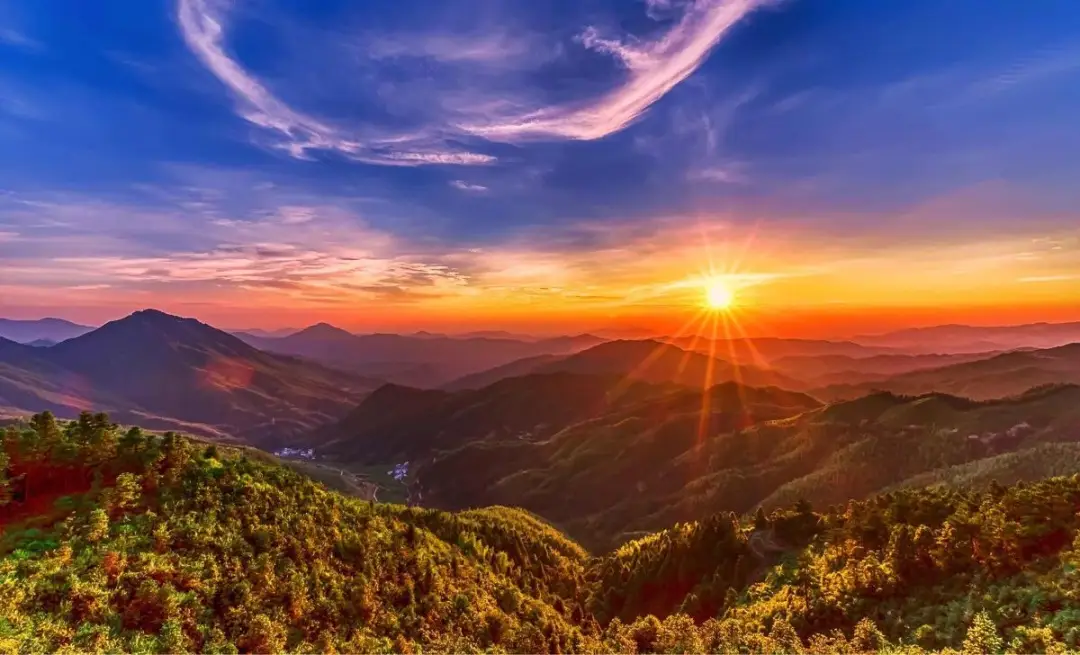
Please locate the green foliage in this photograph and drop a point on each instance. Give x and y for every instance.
(123, 542)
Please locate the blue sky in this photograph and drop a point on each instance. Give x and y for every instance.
(391, 162)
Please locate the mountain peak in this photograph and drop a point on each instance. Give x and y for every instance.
(155, 315)
(323, 330)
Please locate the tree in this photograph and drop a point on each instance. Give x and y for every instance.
(126, 493)
(98, 526)
(982, 637)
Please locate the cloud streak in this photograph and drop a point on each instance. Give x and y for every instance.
(468, 187)
(654, 67)
(202, 25)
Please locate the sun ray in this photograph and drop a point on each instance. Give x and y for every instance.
(644, 364)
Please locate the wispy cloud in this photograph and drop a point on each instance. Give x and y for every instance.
(655, 67)
(490, 47)
(17, 39)
(1049, 278)
(731, 174)
(468, 187)
(202, 24)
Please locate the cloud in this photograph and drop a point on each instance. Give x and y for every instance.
(490, 47)
(284, 250)
(1049, 278)
(655, 67)
(17, 39)
(202, 25)
(468, 187)
(726, 174)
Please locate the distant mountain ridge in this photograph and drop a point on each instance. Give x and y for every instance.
(422, 361)
(970, 338)
(166, 368)
(51, 329)
(1003, 374)
(647, 360)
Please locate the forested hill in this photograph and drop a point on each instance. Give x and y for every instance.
(123, 541)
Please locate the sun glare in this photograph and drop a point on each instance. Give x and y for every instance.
(718, 295)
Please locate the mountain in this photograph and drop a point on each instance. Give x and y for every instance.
(764, 350)
(968, 338)
(516, 368)
(169, 371)
(31, 382)
(427, 361)
(999, 375)
(496, 334)
(53, 329)
(845, 369)
(257, 333)
(654, 361)
(126, 542)
(657, 461)
(626, 467)
(42, 343)
(646, 360)
(398, 424)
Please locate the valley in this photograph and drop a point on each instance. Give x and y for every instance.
(670, 486)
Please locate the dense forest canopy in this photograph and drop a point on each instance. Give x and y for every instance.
(120, 540)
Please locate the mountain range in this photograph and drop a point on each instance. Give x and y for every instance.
(1003, 374)
(659, 459)
(49, 329)
(384, 398)
(164, 371)
(970, 338)
(426, 360)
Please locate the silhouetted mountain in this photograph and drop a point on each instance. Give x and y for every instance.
(42, 343)
(182, 369)
(969, 338)
(264, 334)
(764, 350)
(647, 360)
(396, 423)
(53, 329)
(843, 369)
(516, 368)
(654, 361)
(496, 334)
(1004, 374)
(427, 361)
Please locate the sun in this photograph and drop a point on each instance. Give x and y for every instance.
(718, 295)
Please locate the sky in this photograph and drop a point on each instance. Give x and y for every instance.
(842, 166)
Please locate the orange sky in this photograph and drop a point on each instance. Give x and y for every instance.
(796, 281)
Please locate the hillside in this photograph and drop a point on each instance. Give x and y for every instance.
(118, 541)
(414, 360)
(168, 372)
(172, 546)
(654, 361)
(844, 369)
(49, 329)
(516, 368)
(656, 462)
(29, 381)
(763, 351)
(398, 424)
(627, 470)
(1005, 374)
